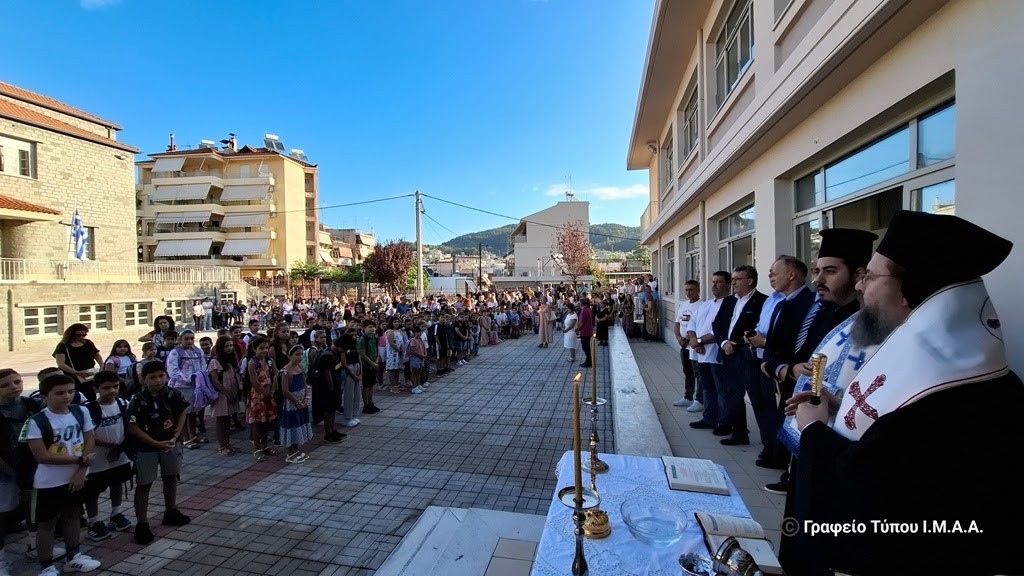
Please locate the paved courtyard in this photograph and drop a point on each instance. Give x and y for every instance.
(486, 436)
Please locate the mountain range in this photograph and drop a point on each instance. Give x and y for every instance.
(611, 237)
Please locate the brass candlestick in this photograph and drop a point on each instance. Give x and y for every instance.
(596, 524)
(595, 464)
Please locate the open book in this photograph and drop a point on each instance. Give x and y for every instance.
(750, 535)
(695, 475)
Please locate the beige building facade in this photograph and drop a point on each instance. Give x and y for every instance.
(360, 243)
(534, 253)
(56, 159)
(846, 111)
(249, 208)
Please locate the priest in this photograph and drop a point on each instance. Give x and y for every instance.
(912, 483)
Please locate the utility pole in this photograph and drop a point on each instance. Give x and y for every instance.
(419, 247)
(480, 266)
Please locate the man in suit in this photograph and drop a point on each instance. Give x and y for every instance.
(738, 372)
(775, 340)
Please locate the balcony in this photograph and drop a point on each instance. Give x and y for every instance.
(649, 216)
(212, 177)
(21, 271)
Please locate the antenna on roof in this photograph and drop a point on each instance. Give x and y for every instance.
(273, 142)
(299, 155)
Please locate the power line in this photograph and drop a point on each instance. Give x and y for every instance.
(429, 217)
(521, 220)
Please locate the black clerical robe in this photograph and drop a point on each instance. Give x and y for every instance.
(945, 459)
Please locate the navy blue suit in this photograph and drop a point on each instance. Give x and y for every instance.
(738, 371)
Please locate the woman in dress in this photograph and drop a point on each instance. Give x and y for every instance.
(79, 358)
(394, 352)
(542, 321)
(626, 312)
(569, 337)
(650, 315)
(296, 424)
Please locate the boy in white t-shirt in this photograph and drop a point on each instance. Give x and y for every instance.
(62, 443)
(111, 468)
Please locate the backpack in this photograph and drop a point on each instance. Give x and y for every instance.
(311, 364)
(96, 412)
(205, 393)
(25, 464)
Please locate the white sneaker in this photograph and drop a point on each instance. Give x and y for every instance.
(349, 423)
(425, 385)
(417, 390)
(357, 421)
(50, 570)
(682, 402)
(695, 407)
(81, 563)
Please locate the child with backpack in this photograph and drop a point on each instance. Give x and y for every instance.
(121, 361)
(112, 467)
(62, 443)
(15, 409)
(156, 417)
(223, 371)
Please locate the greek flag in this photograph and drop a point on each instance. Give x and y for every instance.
(78, 236)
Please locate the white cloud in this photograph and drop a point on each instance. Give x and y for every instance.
(601, 192)
(98, 4)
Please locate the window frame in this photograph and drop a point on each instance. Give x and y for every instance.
(88, 313)
(691, 256)
(137, 314)
(691, 123)
(40, 316)
(727, 242)
(668, 282)
(724, 40)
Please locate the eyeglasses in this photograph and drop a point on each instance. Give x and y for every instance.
(869, 276)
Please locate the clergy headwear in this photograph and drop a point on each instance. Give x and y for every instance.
(852, 245)
(937, 250)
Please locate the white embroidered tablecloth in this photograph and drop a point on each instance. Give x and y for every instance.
(621, 553)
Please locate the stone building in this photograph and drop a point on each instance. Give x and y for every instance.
(56, 159)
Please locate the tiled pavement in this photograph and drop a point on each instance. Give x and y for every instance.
(486, 436)
(662, 372)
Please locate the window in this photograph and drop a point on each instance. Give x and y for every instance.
(17, 157)
(690, 132)
(936, 137)
(736, 239)
(90, 244)
(808, 240)
(24, 163)
(884, 159)
(1, 158)
(938, 198)
(95, 316)
(39, 321)
(176, 310)
(136, 314)
(669, 165)
(734, 48)
(691, 259)
(668, 280)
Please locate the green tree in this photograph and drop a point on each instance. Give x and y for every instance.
(305, 270)
(410, 279)
(640, 253)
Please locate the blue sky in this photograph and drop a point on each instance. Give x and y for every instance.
(491, 103)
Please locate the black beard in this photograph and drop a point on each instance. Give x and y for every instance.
(870, 328)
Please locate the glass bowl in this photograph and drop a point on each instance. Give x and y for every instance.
(654, 522)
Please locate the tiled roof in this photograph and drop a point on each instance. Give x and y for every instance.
(243, 151)
(53, 104)
(8, 203)
(11, 110)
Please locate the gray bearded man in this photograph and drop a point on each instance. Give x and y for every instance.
(914, 488)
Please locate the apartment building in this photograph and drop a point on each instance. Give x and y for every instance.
(249, 208)
(533, 251)
(360, 243)
(56, 159)
(761, 122)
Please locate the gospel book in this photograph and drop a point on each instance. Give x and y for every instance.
(750, 535)
(694, 475)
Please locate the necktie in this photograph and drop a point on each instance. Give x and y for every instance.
(801, 338)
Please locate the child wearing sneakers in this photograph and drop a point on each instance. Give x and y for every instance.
(156, 416)
(111, 468)
(62, 443)
(15, 409)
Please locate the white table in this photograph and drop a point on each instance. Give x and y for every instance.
(621, 553)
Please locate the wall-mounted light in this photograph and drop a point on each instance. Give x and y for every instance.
(652, 147)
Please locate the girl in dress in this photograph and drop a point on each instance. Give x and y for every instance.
(394, 352)
(120, 360)
(184, 363)
(569, 338)
(261, 409)
(296, 425)
(225, 378)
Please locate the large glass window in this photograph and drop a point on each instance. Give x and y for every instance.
(736, 239)
(936, 137)
(691, 130)
(882, 160)
(668, 162)
(938, 198)
(734, 48)
(808, 240)
(691, 261)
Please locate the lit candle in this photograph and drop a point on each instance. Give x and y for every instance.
(593, 370)
(577, 462)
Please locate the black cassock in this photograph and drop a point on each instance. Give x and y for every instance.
(949, 457)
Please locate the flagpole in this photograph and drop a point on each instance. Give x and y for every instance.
(71, 239)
